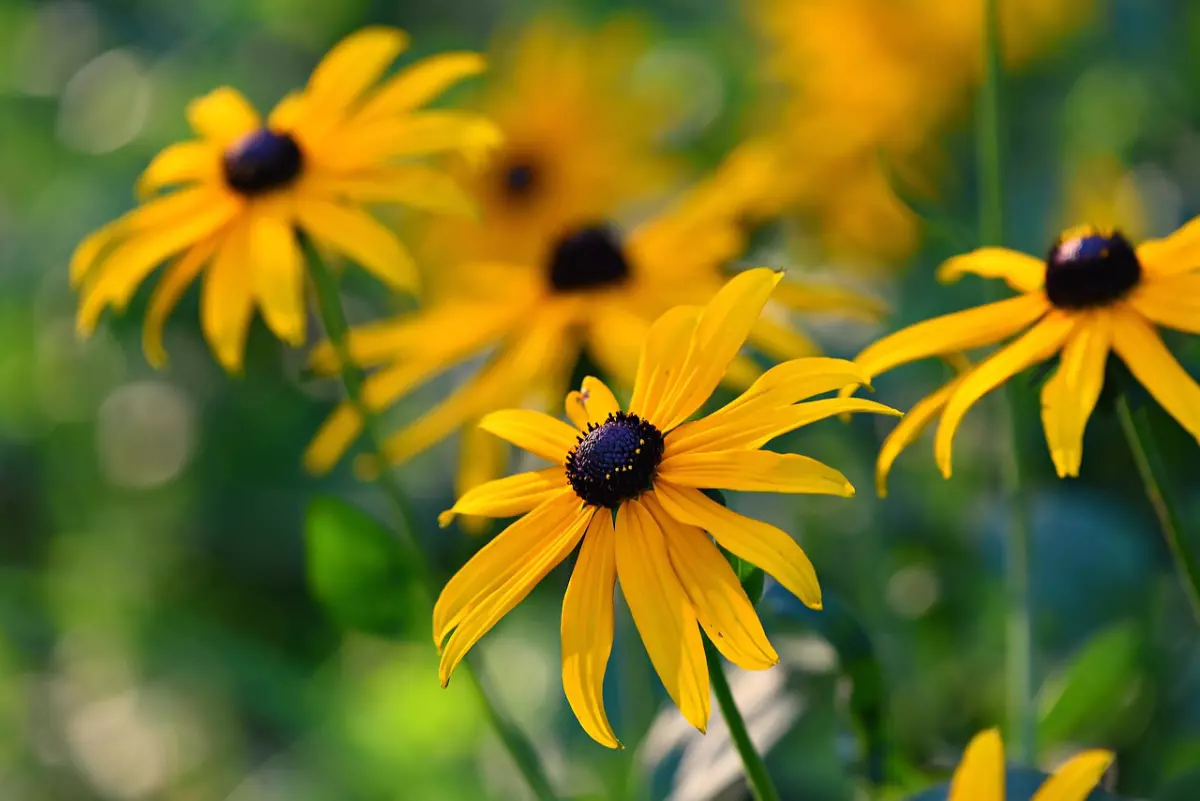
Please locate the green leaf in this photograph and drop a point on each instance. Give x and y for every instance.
(356, 570)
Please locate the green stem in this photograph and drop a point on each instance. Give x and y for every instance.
(756, 770)
(329, 306)
(1019, 633)
(1146, 457)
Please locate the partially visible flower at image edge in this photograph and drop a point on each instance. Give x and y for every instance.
(237, 196)
(1093, 295)
(646, 468)
(980, 774)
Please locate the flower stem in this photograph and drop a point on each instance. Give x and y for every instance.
(756, 770)
(1019, 634)
(329, 307)
(1146, 457)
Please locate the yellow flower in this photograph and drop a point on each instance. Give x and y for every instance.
(980, 775)
(238, 194)
(647, 467)
(581, 141)
(597, 290)
(1094, 294)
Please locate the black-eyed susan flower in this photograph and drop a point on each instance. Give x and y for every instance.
(1094, 294)
(980, 775)
(231, 201)
(628, 485)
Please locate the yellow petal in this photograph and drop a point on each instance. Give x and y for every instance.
(1172, 255)
(277, 270)
(805, 297)
(1075, 780)
(350, 68)
(587, 628)
(780, 342)
(980, 774)
(501, 559)
(615, 339)
(1173, 302)
(661, 360)
(593, 403)
(1038, 344)
(167, 292)
(355, 233)
(227, 301)
(481, 458)
(419, 84)
(410, 184)
(536, 432)
(758, 543)
(333, 439)
(1143, 351)
(185, 162)
(721, 329)
(662, 612)
(88, 251)
(754, 471)
(1023, 273)
(508, 496)
(973, 328)
(908, 430)
(223, 116)
(288, 113)
(1071, 393)
(423, 133)
(532, 567)
(722, 606)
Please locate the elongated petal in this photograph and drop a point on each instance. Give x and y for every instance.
(227, 301)
(482, 457)
(277, 268)
(908, 430)
(536, 432)
(167, 292)
(1143, 351)
(781, 342)
(1173, 302)
(1174, 254)
(587, 628)
(498, 561)
(423, 133)
(593, 403)
(662, 612)
(661, 361)
(722, 606)
(350, 68)
(804, 296)
(721, 330)
(1023, 273)
(973, 328)
(754, 471)
(410, 184)
(980, 774)
(1071, 393)
(1038, 344)
(184, 162)
(532, 567)
(1075, 780)
(355, 233)
(223, 116)
(419, 84)
(508, 496)
(758, 543)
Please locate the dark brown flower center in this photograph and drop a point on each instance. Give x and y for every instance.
(1089, 269)
(520, 179)
(615, 461)
(262, 162)
(588, 257)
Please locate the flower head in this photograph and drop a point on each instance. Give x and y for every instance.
(233, 199)
(1094, 294)
(627, 484)
(980, 774)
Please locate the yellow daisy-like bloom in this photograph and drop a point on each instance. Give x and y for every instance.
(581, 140)
(980, 774)
(1093, 295)
(238, 194)
(647, 466)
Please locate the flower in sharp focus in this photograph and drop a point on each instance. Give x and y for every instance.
(980, 774)
(628, 485)
(1094, 294)
(230, 202)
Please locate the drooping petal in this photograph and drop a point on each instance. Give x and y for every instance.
(170, 288)
(593, 403)
(1038, 344)
(1075, 780)
(964, 330)
(908, 430)
(662, 612)
(587, 628)
(758, 543)
(661, 360)
(277, 270)
(508, 496)
(223, 116)
(410, 184)
(722, 606)
(754, 471)
(1143, 351)
(180, 163)
(227, 300)
(536, 432)
(355, 233)
(498, 561)
(349, 69)
(980, 774)
(1071, 393)
(419, 84)
(1022, 272)
(532, 567)
(1173, 302)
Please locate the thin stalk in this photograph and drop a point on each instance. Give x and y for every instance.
(329, 307)
(1019, 633)
(756, 770)
(1145, 455)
